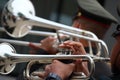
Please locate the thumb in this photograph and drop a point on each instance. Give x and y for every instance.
(39, 74)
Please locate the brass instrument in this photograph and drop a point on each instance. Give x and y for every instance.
(23, 18)
(9, 58)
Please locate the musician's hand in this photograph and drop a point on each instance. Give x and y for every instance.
(59, 68)
(76, 47)
(46, 44)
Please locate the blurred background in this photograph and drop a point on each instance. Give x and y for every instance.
(61, 11)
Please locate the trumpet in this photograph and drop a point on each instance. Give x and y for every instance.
(9, 58)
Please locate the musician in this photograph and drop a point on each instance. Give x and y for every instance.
(115, 55)
(93, 17)
(115, 58)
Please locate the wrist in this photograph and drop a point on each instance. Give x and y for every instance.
(53, 76)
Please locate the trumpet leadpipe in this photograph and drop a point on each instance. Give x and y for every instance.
(17, 42)
(36, 33)
(42, 33)
(28, 57)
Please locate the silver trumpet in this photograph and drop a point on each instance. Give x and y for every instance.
(18, 20)
(18, 17)
(9, 59)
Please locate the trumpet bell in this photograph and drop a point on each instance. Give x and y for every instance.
(12, 19)
(5, 67)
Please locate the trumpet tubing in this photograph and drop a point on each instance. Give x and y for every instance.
(28, 73)
(17, 42)
(35, 32)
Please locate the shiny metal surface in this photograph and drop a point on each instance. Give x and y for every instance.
(9, 57)
(15, 23)
(18, 17)
(6, 68)
(16, 20)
